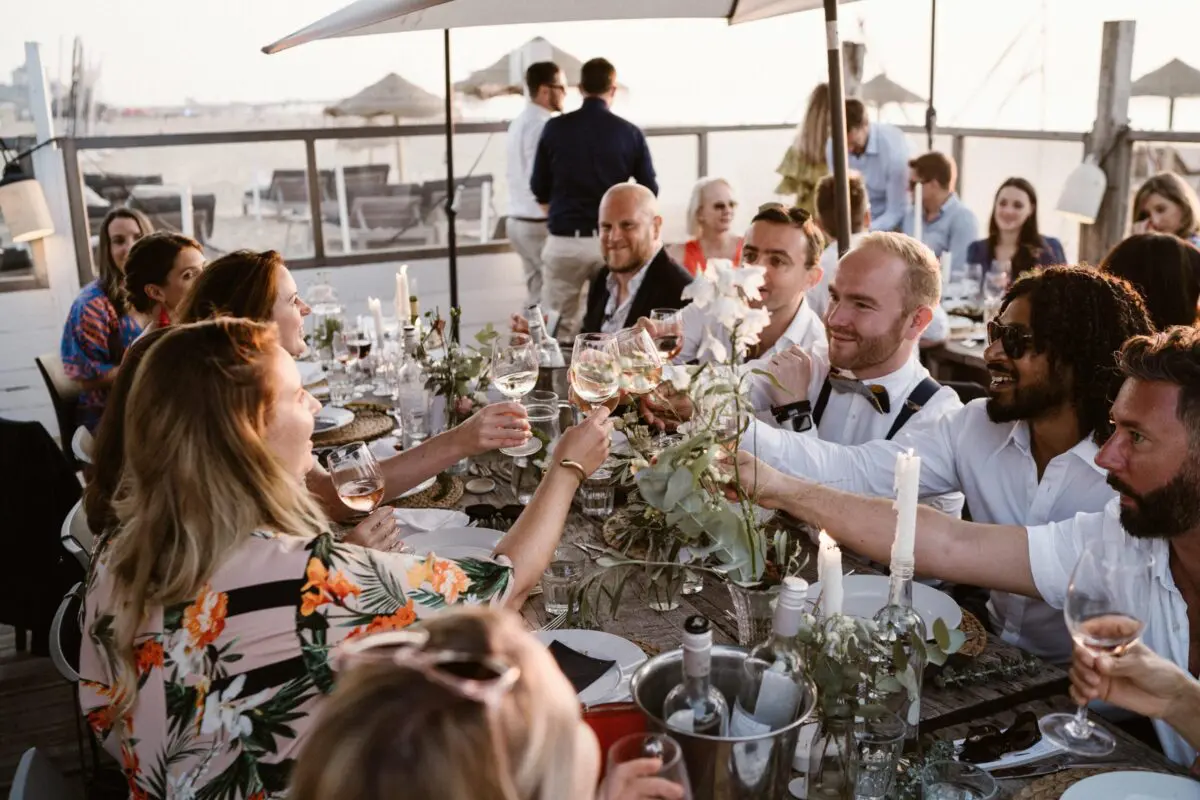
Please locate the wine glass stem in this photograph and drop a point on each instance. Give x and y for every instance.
(1079, 727)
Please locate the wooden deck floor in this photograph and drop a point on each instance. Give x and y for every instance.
(36, 710)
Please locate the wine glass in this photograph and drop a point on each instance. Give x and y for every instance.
(514, 374)
(357, 477)
(652, 745)
(343, 353)
(668, 332)
(1104, 601)
(641, 364)
(595, 373)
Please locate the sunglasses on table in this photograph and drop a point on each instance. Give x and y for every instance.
(482, 679)
(1014, 340)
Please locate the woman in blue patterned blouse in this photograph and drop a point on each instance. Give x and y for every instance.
(99, 326)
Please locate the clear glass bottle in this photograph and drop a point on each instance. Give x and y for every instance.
(898, 622)
(412, 399)
(695, 705)
(773, 674)
(550, 355)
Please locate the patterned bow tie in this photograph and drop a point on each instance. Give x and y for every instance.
(875, 394)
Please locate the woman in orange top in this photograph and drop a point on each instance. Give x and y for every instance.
(710, 216)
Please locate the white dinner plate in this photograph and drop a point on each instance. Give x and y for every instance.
(420, 487)
(864, 595)
(332, 418)
(612, 686)
(455, 542)
(310, 372)
(1134, 786)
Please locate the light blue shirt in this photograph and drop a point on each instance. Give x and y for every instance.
(951, 231)
(884, 167)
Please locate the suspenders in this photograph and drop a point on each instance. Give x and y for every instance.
(917, 399)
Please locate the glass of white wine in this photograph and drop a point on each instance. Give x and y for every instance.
(357, 477)
(595, 373)
(1104, 600)
(514, 374)
(668, 332)
(641, 364)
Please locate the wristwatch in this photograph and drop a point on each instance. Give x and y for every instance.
(796, 416)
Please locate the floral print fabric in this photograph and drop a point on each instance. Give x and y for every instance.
(92, 333)
(228, 682)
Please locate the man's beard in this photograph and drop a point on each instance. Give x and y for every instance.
(874, 350)
(1166, 511)
(635, 262)
(1027, 402)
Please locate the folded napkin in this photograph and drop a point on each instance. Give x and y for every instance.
(421, 520)
(581, 670)
(988, 747)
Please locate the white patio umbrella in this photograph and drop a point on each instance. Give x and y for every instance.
(1172, 80)
(368, 17)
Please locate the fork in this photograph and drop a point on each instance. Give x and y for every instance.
(555, 623)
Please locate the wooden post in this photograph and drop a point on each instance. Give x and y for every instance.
(854, 55)
(1108, 141)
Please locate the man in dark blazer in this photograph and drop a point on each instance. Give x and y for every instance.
(638, 275)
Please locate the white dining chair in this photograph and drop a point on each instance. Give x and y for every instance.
(64, 639)
(76, 536)
(82, 444)
(38, 779)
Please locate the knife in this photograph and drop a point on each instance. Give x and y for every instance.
(1038, 769)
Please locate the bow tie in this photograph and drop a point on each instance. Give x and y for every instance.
(875, 394)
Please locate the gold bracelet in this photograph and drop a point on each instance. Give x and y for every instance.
(575, 465)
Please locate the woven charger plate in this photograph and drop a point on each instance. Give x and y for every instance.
(620, 520)
(976, 635)
(446, 491)
(1053, 786)
(371, 421)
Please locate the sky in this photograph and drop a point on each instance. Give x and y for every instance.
(165, 52)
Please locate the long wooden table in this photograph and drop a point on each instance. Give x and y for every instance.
(945, 712)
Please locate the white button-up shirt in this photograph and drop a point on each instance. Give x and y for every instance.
(805, 330)
(614, 315)
(523, 135)
(991, 463)
(1053, 551)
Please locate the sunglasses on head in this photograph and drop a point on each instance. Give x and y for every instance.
(1015, 341)
(483, 679)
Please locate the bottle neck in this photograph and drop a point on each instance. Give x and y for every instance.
(697, 671)
(900, 588)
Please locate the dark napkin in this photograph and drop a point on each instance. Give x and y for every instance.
(581, 670)
(986, 743)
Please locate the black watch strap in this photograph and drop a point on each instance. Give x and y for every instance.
(796, 416)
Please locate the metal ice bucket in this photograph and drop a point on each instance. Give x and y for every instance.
(722, 768)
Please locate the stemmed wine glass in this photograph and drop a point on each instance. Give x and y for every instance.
(595, 373)
(653, 745)
(514, 373)
(641, 364)
(357, 477)
(668, 332)
(1104, 600)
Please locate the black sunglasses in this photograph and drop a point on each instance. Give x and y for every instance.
(1014, 340)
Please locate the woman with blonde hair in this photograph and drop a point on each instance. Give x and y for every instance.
(1166, 203)
(709, 218)
(469, 707)
(803, 164)
(210, 614)
(258, 286)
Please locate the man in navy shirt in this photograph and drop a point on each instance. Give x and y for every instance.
(579, 157)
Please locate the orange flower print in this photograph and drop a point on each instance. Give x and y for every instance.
(449, 580)
(148, 655)
(405, 615)
(323, 588)
(340, 587)
(205, 618)
(101, 719)
(421, 572)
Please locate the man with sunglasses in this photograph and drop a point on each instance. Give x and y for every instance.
(526, 223)
(1026, 454)
(1151, 454)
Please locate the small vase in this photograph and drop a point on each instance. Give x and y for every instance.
(832, 760)
(754, 610)
(663, 587)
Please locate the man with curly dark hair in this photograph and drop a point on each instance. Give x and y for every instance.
(1025, 455)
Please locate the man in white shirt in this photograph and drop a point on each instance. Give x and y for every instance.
(526, 223)
(1023, 456)
(1153, 461)
(867, 385)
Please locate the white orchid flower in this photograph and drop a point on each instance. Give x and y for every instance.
(678, 376)
(702, 289)
(728, 310)
(223, 711)
(714, 346)
(750, 280)
(753, 324)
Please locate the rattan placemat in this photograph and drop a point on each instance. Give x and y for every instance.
(976, 635)
(1053, 786)
(371, 421)
(446, 491)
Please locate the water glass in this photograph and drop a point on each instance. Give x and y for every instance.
(652, 745)
(526, 477)
(878, 742)
(341, 387)
(597, 493)
(561, 576)
(955, 780)
(693, 579)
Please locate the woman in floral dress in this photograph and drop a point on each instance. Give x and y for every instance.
(211, 612)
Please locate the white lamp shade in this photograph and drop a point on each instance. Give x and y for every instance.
(1084, 191)
(23, 206)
